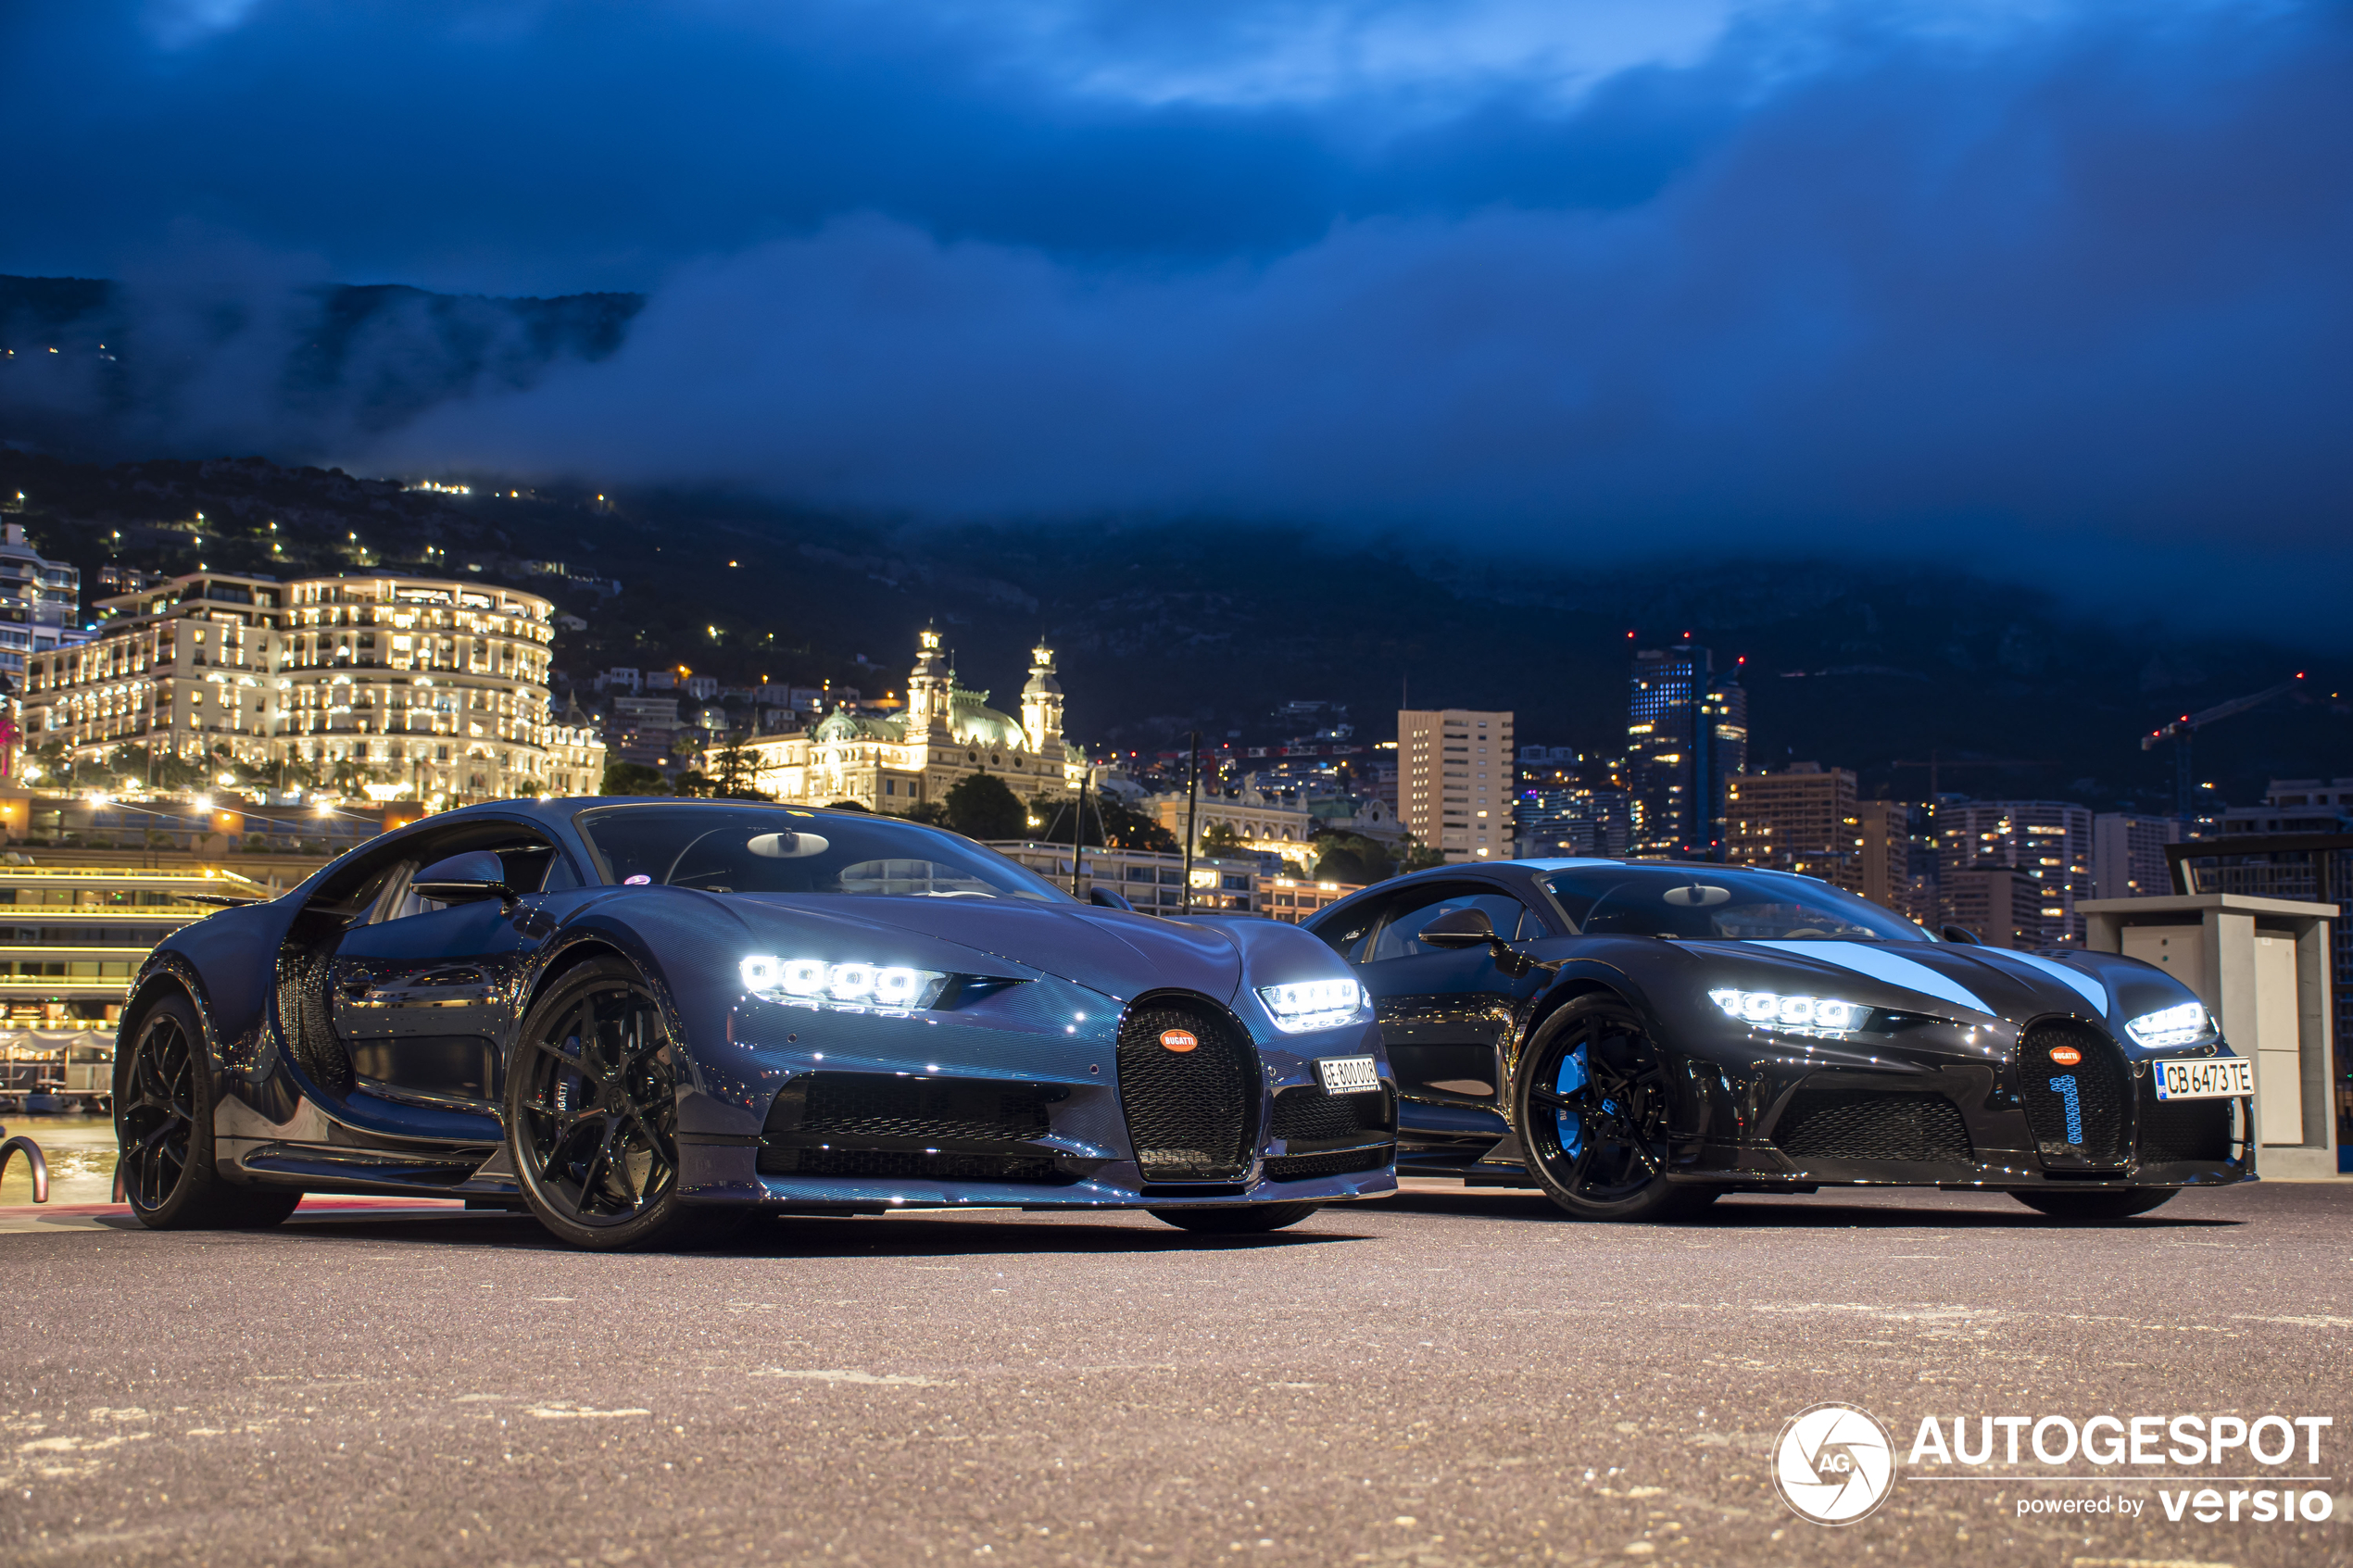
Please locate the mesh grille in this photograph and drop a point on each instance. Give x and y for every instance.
(1309, 1115)
(1864, 1124)
(852, 1107)
(307, 1018)
(2173, 1130)
(1299, 1167)
(2090, 1125)
(794, 1161)
(1188, 1111)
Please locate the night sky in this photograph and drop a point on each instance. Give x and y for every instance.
(2052, 290)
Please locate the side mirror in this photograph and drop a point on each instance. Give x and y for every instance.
(464, 879)
(1104, 898)
(1962, 935)
(1459, 928)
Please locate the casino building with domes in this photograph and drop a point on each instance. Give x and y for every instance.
(946, 731)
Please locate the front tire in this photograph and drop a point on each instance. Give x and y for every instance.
(2097, 1207)
(1255, 1220)
(1592, 1100)
(163, 1133)
(592, 1115)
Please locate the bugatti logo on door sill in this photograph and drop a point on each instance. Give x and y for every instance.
(1178, 1039)
(2066, 1056)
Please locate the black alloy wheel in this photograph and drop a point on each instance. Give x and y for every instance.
(1254, 1220)
(163, 1133)
(2097, 1207)
(1592, 1100)
(592, 1114)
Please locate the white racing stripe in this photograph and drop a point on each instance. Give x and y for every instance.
(2083, 985)
(1874, 960)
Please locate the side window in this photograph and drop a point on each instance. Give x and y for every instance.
(531, 865)
(1346, 933)
(1399, 934)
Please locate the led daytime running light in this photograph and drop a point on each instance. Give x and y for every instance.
(1313, 1004)
(858, 986)
(2176, 1025)
(1795, 1015)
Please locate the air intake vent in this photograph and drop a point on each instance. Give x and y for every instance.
(2078, 1100)
(2173, 1131)
(306, 1017)
(1867, 1125)
(1331, 1134)
(883, 1124)
(1189, 1109)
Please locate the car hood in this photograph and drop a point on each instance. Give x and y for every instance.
(1946, 978)
(1118, 954)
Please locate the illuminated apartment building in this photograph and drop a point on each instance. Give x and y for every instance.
(2049, 841)
(1801, 818)
(421, 685)
(1454, 780)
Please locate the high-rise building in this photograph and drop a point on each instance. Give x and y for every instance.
(1801, 818)
(2295, 806)
(1454, 780)
(40, 601)
(2002, 907)
(2048, 840)
(1686, 733)
(1566, 804)
(2128, 854)
(1896, 856)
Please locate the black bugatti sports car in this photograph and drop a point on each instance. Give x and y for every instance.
(640, 1017)
(1636, 1038)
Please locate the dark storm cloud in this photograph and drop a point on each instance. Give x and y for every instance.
(2035, 289)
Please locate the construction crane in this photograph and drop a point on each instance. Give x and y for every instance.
(2180, 731)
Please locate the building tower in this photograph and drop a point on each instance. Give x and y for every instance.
(927, 683)
(1041, 700)
(1686, 733)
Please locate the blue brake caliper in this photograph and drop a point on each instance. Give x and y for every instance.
(1572, 1078)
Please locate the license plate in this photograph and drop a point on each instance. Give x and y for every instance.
(1347, 1074)
(2213, 1077)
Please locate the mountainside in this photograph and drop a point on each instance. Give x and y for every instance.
(1213, 625)
(103, 369)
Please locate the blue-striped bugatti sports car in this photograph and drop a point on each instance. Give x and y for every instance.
(1636, 1039)
(639, 1018)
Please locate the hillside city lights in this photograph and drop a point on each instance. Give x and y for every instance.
(856, 987)
(1311, 1004)
(2176, 1025)
(1799, 1015)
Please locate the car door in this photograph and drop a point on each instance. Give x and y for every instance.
(421, 992)
(1445, 1014)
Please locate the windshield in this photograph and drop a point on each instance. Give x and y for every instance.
(1719, 903)
(778, 849)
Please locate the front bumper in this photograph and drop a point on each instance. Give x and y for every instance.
(1014, 1102)
(1939, 1103)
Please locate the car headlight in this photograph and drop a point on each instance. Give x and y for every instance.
(1791, 1015)
(1313, 1004)
(2176, 1025)
(856, 988)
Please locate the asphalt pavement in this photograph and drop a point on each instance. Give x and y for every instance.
(1446, 1377)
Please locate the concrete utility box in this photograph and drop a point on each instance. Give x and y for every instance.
(2261, 967)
